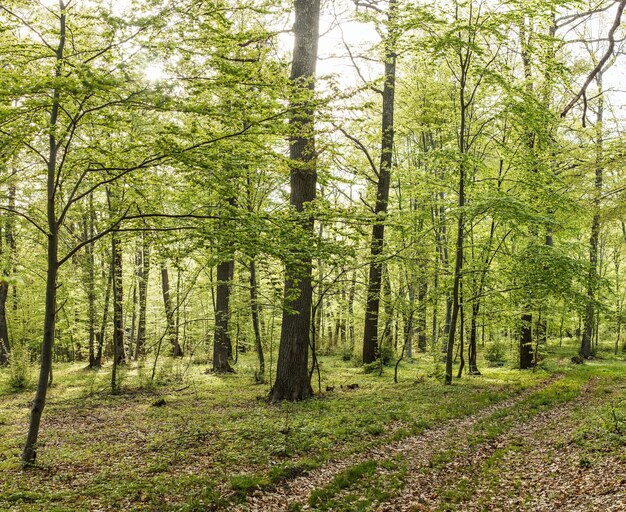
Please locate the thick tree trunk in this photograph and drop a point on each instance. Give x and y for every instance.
(169, 313)
(372, 306)
(221, 339)
(292, 371)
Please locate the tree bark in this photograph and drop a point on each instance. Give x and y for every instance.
(221, 339)
(590, 310)
(91, 285)
(526, 342)
(372, 306)
(471, 347)
(29, 454)
(118, 300)
(254, 311)
(292, 372)
(105, 316)
(119, 356)
(169, 313)
(9, 238)
(142, 288)
(422, 293)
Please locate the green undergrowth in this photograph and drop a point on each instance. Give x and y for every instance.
(360, 487)
(214, 439)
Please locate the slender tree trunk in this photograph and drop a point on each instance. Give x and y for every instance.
(118, 301)
(590, 310)
(5, 347)
(254, 310)
(169, 312)
(526, 342)
(471, 348)
(351, 296)
(29, 454)
(370, 329)
(9, 238)
(105, 318)
(135, 303)
(292, 371)
(408, 319)
(445, 261)
(142, 288)
(118, 313)
(422, 294)
(461, 334)
(458, 264)
(91, 284)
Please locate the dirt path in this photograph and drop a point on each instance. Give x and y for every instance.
(525, 477)
(417, 450)
(535, 466)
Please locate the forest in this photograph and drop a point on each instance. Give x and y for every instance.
(340, 255)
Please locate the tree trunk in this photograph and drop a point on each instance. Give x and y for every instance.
(221, 339)
(254, 310)
(370, 328)
(9, 238)
(118, 301)
(471, 347)
(526, 342)
(351, 295)
(292, 371)
(169, 313)
(119, 356)
(105, 316)
(29, 454)
(458, 264)
(590, 310)
(422, 293)
(142, 288)
(91, 284)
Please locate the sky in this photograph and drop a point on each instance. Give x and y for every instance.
(337, 29)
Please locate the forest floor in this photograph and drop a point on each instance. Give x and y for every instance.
(552, 439)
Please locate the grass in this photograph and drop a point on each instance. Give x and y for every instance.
(216, 439)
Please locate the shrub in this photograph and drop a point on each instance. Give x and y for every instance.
(386, 354)
(495, 354)
(20, 376)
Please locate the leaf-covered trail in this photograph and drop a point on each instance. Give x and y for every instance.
(535, 465)
(418, 452)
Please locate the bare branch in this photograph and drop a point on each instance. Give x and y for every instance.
(599, 67)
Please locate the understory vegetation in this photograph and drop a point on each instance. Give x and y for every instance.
(195, 441)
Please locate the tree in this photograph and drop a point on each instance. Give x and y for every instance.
(370, 329)
(292, 372)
